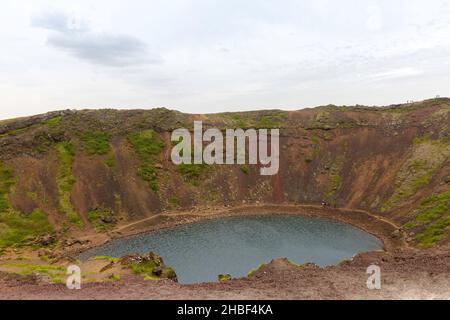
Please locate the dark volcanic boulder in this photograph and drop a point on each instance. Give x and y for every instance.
(149, 265)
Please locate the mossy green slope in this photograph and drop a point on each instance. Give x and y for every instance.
(16, 228)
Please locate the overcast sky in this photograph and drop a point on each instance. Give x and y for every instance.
(220, 55)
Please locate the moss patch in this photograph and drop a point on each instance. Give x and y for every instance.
(147, 146)
(115, 277)
(17, 229)
(101, 218)
(110, 160)
(434, 233)
(54, 122)
(168, 273)
(96, 142)
(106, 258)
(253, 271)
(224, 278)
(245, 169)
(65, 181)
(6, 182)
(46, 269)
(56, 273)
(143, 268)
(272, 121)
(191, 172)
(334, 178)
(173, 200)
(426, 157)
(433, 219)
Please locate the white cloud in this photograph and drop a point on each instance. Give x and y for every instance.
(74, 36)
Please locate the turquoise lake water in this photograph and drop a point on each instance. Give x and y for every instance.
(201, 251)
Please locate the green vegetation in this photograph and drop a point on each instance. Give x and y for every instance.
(106, 258)
(253, 271)
(168, 273)
(245, 169)
(440, 114)
(16, 132)
(115, 277)
(334, 178)
(191, 172)
(54, 122)
(426, 158)
(27, 269)
(146, 269)
(110, 160)
(434, 218)
(322, 121)
(143, 268)
(56, 279)
(16, 228)
(343, 261)
(410, 225)
(149, 173)
(272, 121)
(147, 146)
(6, 182)
(334, 181)
(433, 207)
(315, 149)
(238, 120)
(316, 145)
(101, 218)
(224, 278)
(148, 277)
(173, 200)
(65, 181)
(434, 233)
(56, 273)
(43, 142)
(420, 140)
(96, 142)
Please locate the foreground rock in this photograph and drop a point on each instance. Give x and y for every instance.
(406, 274)
(150, 265)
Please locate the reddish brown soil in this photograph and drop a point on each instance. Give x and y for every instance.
(407, 274)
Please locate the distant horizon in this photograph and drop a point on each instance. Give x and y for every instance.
(234, 111)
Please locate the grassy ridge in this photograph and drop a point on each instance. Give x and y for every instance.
(65, 181)
(147, 146)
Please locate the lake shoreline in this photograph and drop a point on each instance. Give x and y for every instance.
(388, 233)
(237, 244)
